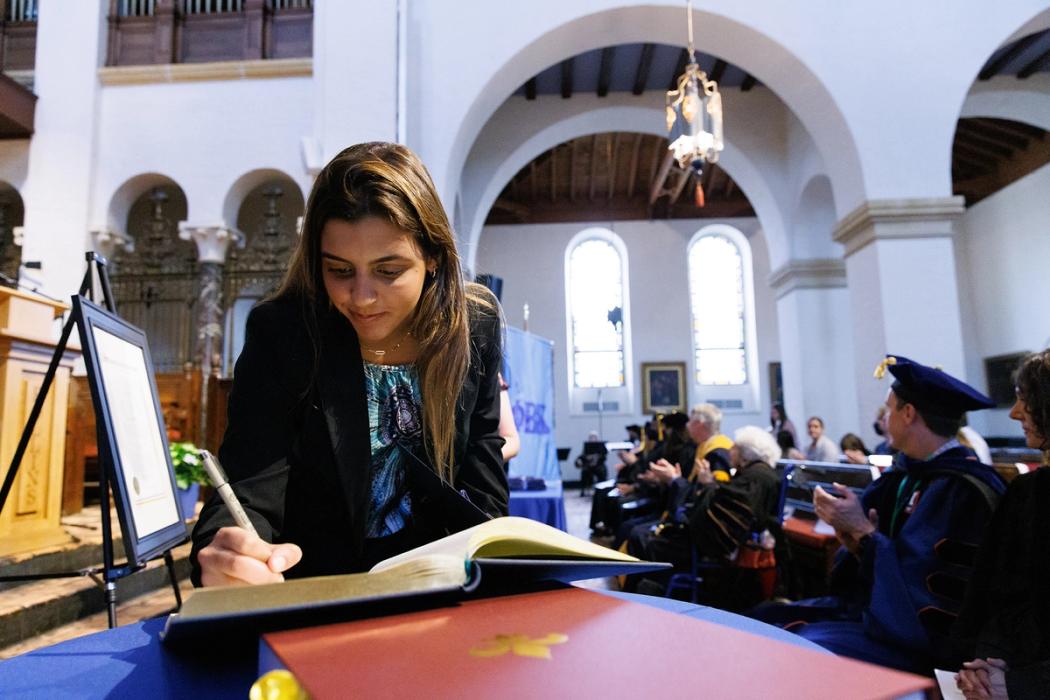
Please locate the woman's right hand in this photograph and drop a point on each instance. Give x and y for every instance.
(236, 557)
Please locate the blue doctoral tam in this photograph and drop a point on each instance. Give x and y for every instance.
(932, 389)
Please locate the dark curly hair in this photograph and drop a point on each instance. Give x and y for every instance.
(1033, 387)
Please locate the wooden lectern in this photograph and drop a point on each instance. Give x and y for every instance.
(30, 519)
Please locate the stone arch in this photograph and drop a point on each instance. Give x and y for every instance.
(12, 216)
(813, 221)
(780, 69)
(1002, 97)
(252, 180)
(491, 166)
(1025, 101)
(125, 196)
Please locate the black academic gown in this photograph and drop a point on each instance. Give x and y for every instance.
(1007, 610)
(297, 447)
(881, 608)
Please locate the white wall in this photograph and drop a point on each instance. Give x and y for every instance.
(530, 259)
(204, 135)
(1004, 244)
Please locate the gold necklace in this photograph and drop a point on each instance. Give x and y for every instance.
(380, 353)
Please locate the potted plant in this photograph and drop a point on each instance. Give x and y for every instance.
(189, 474)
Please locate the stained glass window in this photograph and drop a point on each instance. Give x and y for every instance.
(596, 316)
(716, 300)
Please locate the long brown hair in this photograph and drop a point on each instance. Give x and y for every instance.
(389, 181)
(1033, 386)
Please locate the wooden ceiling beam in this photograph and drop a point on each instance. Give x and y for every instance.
(730, 187)
(605, 70)
(566, 78)
(707, 178)
(992, 68)
(1013, 127)
(573, 146)
(1034, 65)
(532, 180)
(679, 67)
(656, 189)
(632, 170)
(659, 149)
(977, 163)
(718, 71)
(749, 82)
(621, 210)
(530, 88)
(594, 166)
(977, 143)
(518, 210)
(612, 151)
(1001, 138)
(973, 154)
(554, 174)
(679, 186)
(641, 74)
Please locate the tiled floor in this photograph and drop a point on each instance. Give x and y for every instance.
(577, 513)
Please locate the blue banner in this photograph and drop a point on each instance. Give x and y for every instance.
(528, 367)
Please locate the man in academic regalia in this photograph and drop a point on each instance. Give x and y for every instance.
(897, 581)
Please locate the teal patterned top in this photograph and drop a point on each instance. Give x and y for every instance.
(395, 416)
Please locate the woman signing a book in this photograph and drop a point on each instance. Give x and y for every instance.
(364, 415)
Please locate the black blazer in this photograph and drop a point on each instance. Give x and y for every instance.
(297, 449)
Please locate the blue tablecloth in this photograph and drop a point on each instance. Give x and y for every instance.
(130, 661)
(545, 506)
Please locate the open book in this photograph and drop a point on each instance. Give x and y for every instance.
(500, 555)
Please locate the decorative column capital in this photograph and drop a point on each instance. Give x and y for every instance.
(107, 241)
(815, 273)
(212, 241)
(898, 218)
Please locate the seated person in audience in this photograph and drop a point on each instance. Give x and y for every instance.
(634, 435)
(679, 447)
(507, 429)
(650, 441)
(853, 449)
(787, 446)
(678, 485)
(821, 449)
(778, 421)
(591, 462)
(753, 489)
(883, 448)
(1004, 626)
(880, 608)
(676, 445)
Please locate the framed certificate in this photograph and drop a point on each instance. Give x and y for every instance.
(133, 442)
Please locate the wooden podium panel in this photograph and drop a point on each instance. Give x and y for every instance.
(30, 518)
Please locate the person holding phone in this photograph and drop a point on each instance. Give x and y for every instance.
(367, 391)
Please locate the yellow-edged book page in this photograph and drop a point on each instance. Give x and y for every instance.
(419, 574)
(509, 537)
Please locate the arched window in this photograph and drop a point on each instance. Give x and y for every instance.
(596, 284)
(718, 289)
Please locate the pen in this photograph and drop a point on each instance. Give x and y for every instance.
(218, 480)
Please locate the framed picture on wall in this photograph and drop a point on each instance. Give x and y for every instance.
(663, 387)
(999, 371)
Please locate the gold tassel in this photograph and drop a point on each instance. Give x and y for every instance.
(880, 370)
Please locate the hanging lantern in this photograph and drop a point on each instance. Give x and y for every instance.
(694, 115)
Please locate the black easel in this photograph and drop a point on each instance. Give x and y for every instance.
(95, 273)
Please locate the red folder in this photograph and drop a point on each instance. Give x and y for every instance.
(565, 643)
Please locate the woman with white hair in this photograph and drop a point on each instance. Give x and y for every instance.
(720, 516)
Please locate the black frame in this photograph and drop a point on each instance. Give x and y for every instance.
(999, 372)
(89, 317)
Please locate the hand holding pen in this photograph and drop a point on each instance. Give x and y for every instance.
(237, 555)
